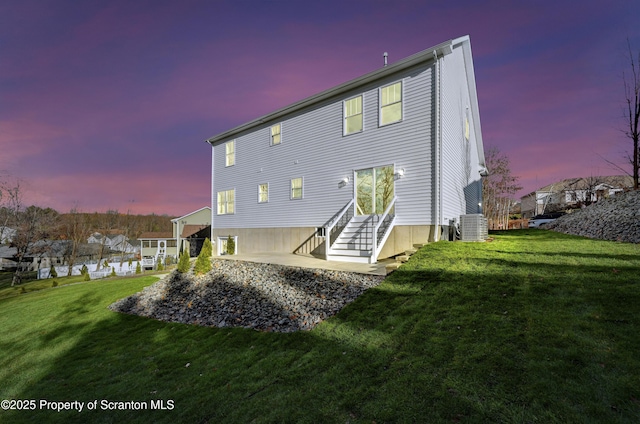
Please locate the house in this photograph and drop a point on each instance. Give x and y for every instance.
(573, 193)
(358, 172)
(188, 234)
(114, 242)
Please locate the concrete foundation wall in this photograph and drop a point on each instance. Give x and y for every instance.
(302, 240)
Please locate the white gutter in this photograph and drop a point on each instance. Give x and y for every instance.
(437, 174)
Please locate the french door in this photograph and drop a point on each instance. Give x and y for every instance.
(374, 190)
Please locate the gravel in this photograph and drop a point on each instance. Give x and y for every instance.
(616, 218)
(260, 296)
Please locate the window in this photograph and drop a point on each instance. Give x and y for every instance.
(263, 193)
(353, 115)
(296, 188)
(226, 201)
(391, 103)
(172, 243)
(230, 151)
(276, 136)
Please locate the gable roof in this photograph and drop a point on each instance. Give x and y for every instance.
(439, 50)
(189, 214)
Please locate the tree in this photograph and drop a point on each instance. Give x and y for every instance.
(498, 189)
(75, 231)
(632, 110)
(203, 263)
(183, 263)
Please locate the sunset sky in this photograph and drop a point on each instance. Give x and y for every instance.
(106, 104)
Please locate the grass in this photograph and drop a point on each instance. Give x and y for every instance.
(533, 326)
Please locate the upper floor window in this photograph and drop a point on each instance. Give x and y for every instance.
(353, 115)
(230, 153)
(296, 188)
(276, 134)
(226, 202)
(391, 103)
(263, 193)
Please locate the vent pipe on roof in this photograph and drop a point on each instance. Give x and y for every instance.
(385, 55)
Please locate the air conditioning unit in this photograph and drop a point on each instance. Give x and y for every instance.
(473, 227)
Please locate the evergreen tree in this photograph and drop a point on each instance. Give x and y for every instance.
(138, 268)
(52, 272)
(231, 245)
(183, 263)
(203, 263)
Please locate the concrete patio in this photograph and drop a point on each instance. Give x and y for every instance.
(310, 262)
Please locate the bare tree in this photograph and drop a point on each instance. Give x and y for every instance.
(498, 189)
(632, 110)
(75, 230)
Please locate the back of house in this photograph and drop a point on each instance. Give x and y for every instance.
(372, 166)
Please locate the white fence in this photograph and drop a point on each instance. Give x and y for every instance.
(94, 273)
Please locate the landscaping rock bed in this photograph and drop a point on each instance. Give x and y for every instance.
(616, 218)
(251, 295)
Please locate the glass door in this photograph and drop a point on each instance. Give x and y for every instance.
(374, 190)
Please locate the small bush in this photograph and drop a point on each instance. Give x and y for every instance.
(160, 266)
(203, 263)
(113, 272)
(52, 272)
(54, 284)
(183, 263)
(87, 277)
(84, 270)
(130, 262)
(138, 268)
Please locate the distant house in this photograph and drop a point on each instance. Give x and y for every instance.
(360, 171)
(114, 242)
(188, 234)
(6, 235)
(573, 193)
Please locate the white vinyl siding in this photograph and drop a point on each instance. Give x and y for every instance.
(296, 188)
(230, 153)
(263, 193)
(226, 202)
(391, 103)
(313, 150)
(353, 115)
(276, 134)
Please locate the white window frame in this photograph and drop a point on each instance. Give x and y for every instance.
(381, 106)
(271, 134)
(222, 245)
(267, 193)
(344, 115)
(230, 157)
(291, 196)
(226, 202)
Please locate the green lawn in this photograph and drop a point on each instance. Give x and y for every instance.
(532, 326)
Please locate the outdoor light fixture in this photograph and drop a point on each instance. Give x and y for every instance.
(345, 180)
(399, 173)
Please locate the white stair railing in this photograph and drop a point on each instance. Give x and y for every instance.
(375, 248)
(329, 228)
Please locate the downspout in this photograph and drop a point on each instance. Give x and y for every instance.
(214, 206)
(437, 174)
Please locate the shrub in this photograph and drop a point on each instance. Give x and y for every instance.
(84, 270)
(130, 262)
(231, 245)
(138, 268)
(54, 284)
(87, 277)
(160, 266)
(113, 272)
(183, 263)
(52, 272)
(203, 263)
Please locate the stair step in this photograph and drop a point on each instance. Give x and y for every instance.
(355, 259)
(410, 252)
(419, 245)
(402, 258)
(349, 252)
(392, 267)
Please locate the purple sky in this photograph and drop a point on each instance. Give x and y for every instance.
(106, 104)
